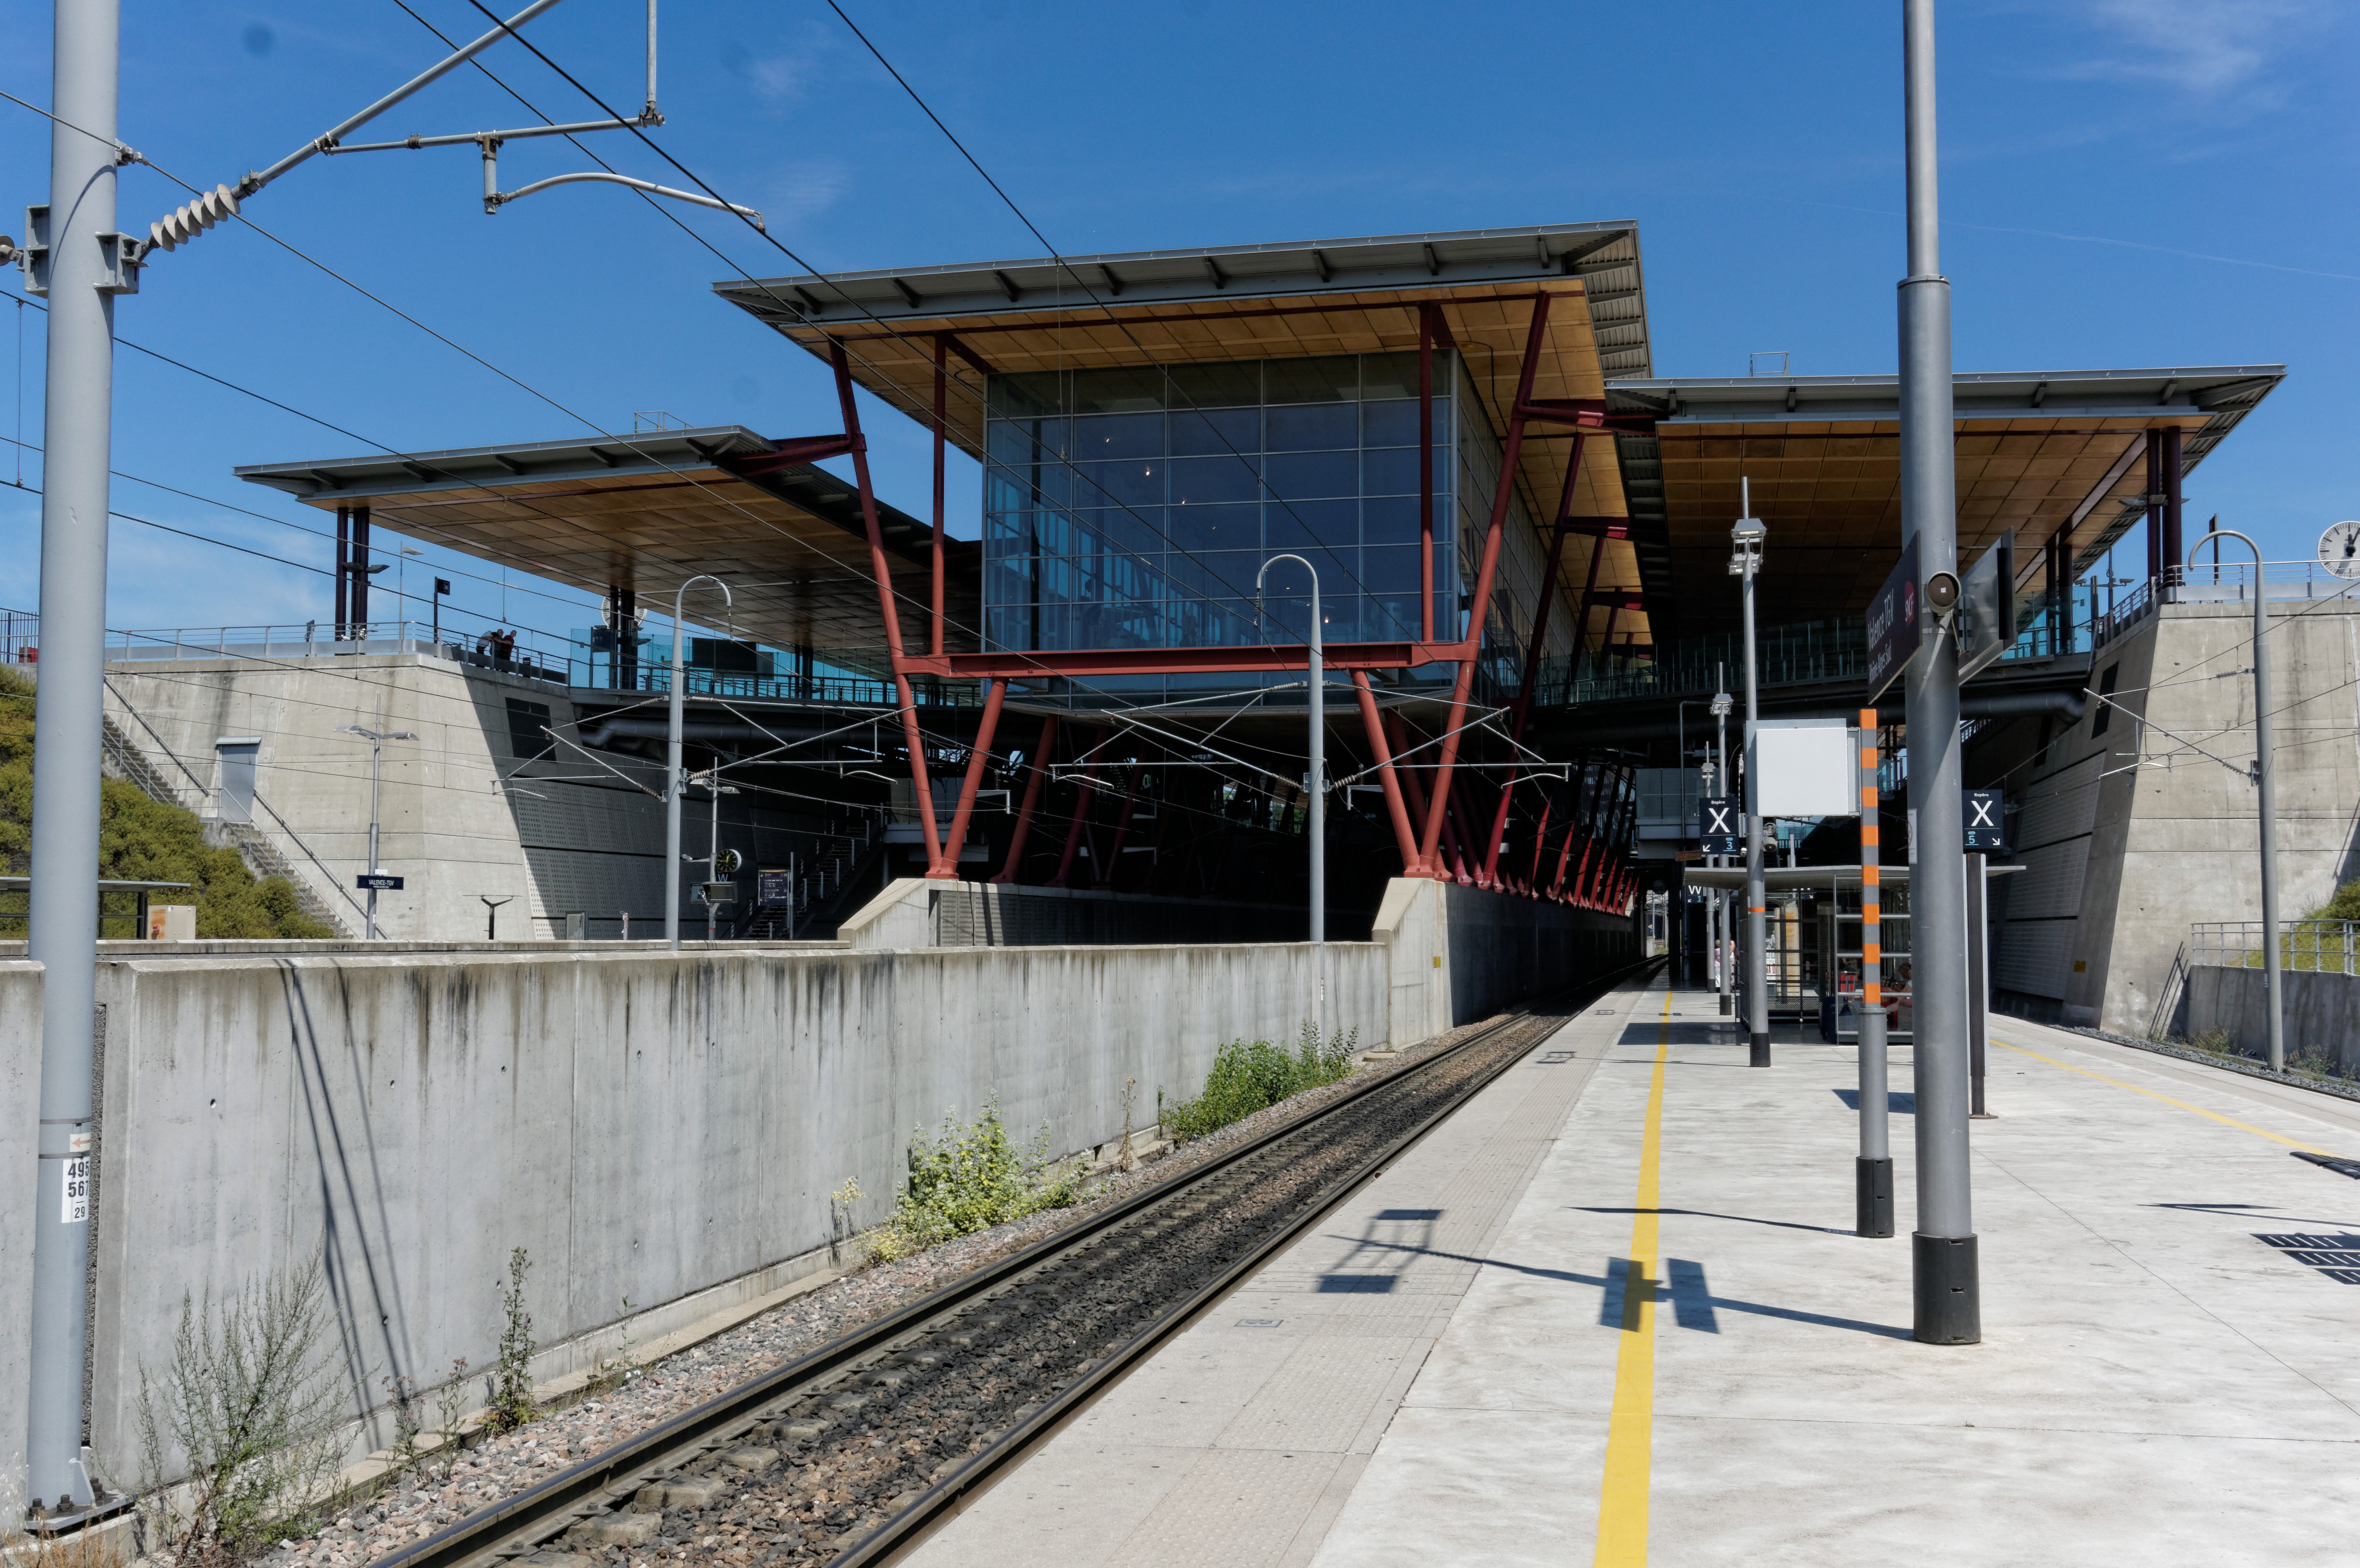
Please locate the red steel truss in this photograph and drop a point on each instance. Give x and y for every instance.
(1423, 820)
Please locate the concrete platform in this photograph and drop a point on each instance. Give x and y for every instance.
(1445, 1371)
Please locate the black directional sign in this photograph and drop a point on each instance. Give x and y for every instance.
(1717, 825)
(378, 881)
(1986, 830)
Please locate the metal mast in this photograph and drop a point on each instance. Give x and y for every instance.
(1946, 1296)
(81, 269)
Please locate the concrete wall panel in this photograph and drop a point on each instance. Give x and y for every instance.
(20, 1125)
(647, 1128)
(2322, 1011)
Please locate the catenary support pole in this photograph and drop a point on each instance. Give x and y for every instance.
(675, 776)
(2265, 778)
(63, 927)
(1946, 1296)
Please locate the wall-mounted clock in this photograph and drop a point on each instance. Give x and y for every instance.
(2339, 549)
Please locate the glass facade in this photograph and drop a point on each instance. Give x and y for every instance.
(1131, 508)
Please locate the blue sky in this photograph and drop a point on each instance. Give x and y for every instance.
(2126, 182)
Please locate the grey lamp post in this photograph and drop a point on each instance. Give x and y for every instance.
(1745, 562)
(2266, 785)
(673, 779)
(1317, 782)
(1946, 1288)
(715, 790)
(377, 739)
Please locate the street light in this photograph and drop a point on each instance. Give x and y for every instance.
(1319, 785)
(672, 775)
(1745, 561)
(2267, 784)
(377, 739)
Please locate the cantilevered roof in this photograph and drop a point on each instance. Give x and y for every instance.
(1257, 301)
(648, 512)
(2036, 453)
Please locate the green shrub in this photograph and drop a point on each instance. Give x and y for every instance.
(1250, 1076)
(140, 839)
(968, 1178)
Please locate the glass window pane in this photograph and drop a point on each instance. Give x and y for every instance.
(1312, 428)
(1215, 385)
(1033, 392)
(1138, 531)
(1301, 522)
(1120, 391)
(1392, 424)
(1131, 482)
(1119, 435)
(1223, 431)
(1199, 481)
(1392, 520)
(1390, 471)
(1200, 529)
(1395, 374)
(1391, 570)
(1333, 379)
(1311, 474)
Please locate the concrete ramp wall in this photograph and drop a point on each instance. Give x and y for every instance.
(2322, 1011)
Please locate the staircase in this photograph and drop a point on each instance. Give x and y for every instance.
(123, 758)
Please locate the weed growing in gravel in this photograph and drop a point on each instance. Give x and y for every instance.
(511, 1404)
(248, 1403)
(450, 1412)
(968, 1178)
(608, 1375)
(1251, 1075)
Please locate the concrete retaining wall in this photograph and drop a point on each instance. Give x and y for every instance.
(2322, 1011)
(646, 1127)
(20, 1126)
(657, 1129)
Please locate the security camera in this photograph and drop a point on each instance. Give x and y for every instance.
(1942, 592)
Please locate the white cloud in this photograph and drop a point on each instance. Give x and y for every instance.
(2207, 49)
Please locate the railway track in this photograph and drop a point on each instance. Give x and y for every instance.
(856, 1451)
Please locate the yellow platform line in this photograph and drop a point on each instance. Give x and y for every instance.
(2215, 1115)
(1630, 1428)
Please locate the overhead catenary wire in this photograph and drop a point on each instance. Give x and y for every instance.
(488, 365)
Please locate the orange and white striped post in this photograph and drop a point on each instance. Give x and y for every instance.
(1874, 1169)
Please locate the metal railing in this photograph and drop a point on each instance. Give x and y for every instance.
(2231, 582)
(572, 662)
(2326, 947)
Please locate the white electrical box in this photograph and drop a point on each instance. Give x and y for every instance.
(1804, 768)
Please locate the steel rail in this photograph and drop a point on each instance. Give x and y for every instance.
(536, 1517)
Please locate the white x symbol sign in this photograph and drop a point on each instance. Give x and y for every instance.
(1982, 805)
(1721, 824)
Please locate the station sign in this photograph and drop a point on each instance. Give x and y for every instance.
(1718, 825)
(1983, 821)
(1893, 624)
(378, 882)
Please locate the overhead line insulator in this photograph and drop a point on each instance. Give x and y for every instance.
(180, 227)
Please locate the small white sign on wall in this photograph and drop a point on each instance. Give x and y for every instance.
(1804, 768)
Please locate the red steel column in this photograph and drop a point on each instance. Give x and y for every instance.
(942, 346)
(1011, 870)
(885, 601)
(1426, 318)
(1081, 810)
(1472, 645)
(1523, 704)
(946, 869)
(1402, 831)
